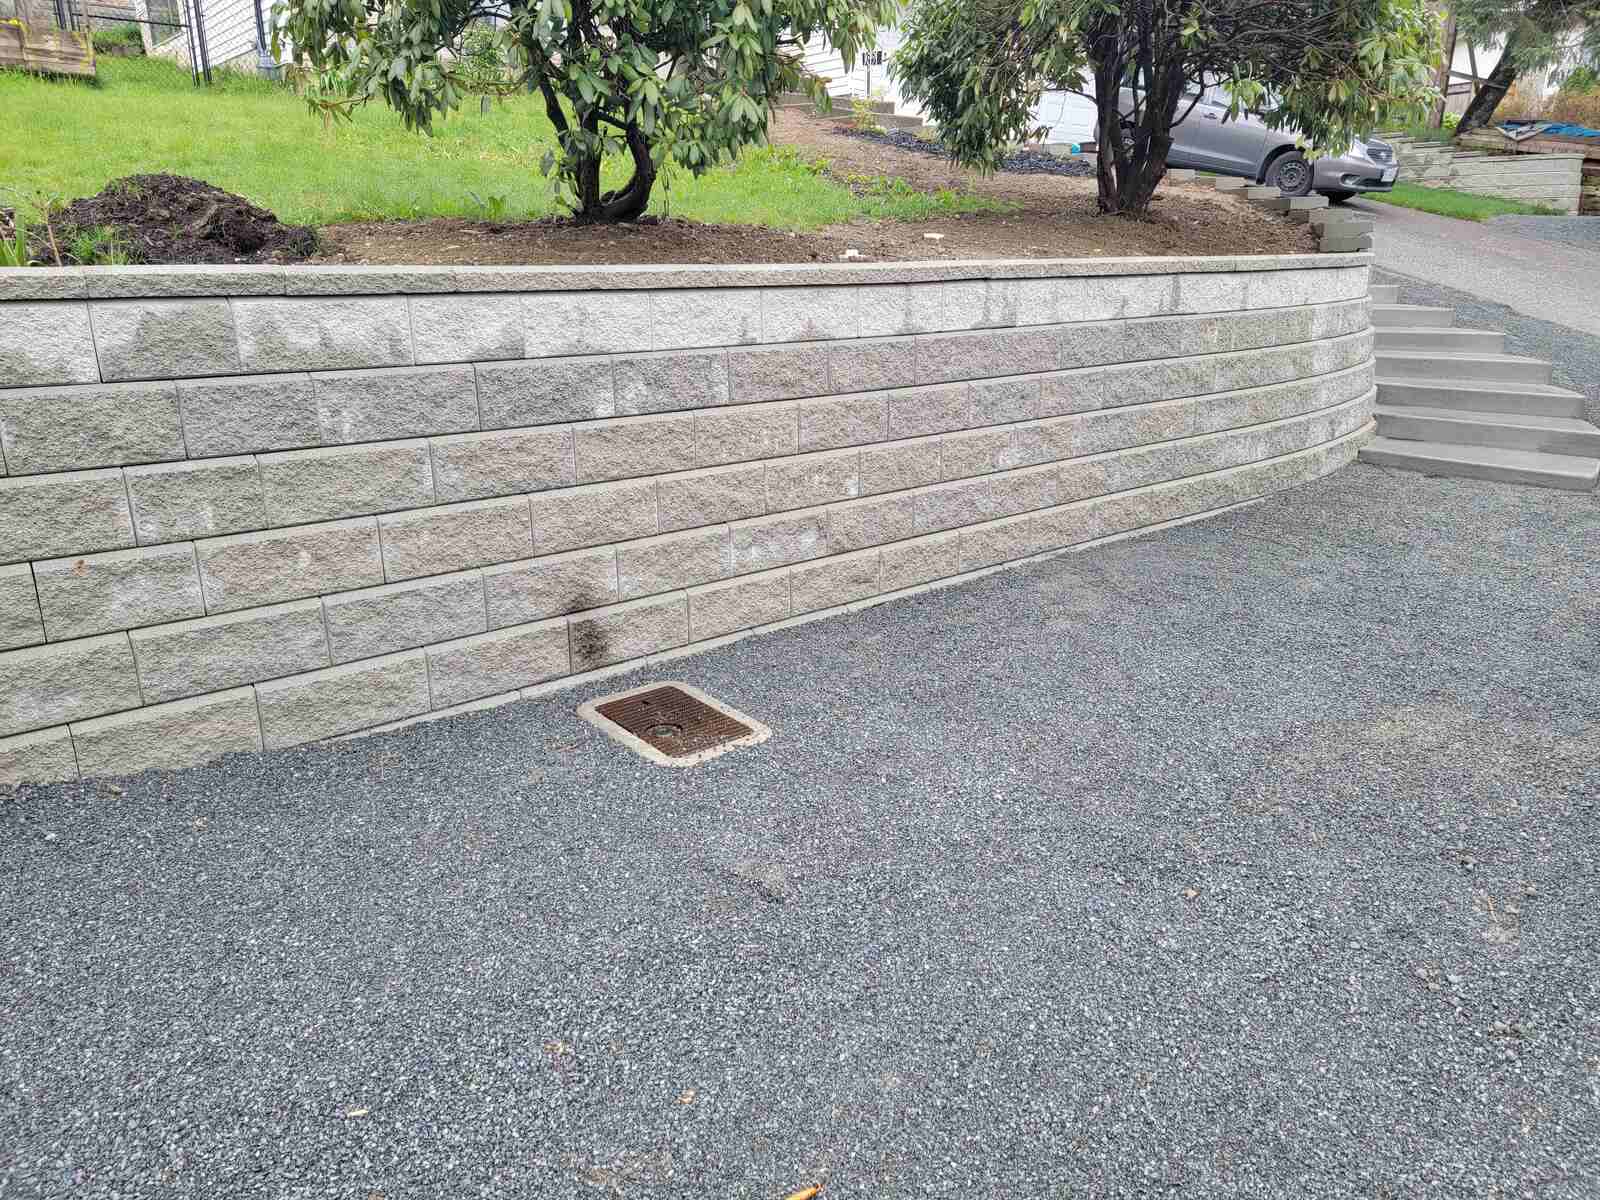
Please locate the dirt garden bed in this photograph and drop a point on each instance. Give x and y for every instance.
(169, 219)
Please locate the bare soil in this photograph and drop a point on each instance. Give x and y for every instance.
(1056, 218)
(174, 219)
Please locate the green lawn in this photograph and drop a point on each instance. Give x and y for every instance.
(1463, 205)
(258, 139)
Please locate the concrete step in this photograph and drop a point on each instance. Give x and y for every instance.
(1566, 471)
(1455, 364)
(1411, 316)
(1509, 431)
(1384, 293)
(890, 121)
(1432, 337)
(1471, 395)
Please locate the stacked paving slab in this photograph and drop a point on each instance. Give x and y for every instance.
(1451, 402)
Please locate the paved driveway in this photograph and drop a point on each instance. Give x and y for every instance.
(1552, 280)
(1257, 857)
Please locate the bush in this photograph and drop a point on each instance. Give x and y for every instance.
(118, 39)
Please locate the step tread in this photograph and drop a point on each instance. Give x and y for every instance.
(1567, 466)
(1386, 307)
(1475, 417)
(1480, 386)
(1463, 356)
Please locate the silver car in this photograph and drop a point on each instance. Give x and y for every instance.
(1208, 140)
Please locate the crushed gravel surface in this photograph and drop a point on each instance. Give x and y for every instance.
(1570, 231)
(1023, 162)
(1574, 354)
(1253, 858)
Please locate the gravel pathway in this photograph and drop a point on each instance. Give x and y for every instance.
(1574, 353)
(1023, 162)
(1572, 231)
(1257, 857)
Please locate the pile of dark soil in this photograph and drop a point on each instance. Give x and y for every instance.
(1023, 162)
(172, 219)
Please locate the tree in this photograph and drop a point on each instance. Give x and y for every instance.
(1332, 70)
(686, 81)
(1532, 34)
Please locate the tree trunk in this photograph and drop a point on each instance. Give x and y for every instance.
(1487, 98)
(628, 203)
(1132, 161)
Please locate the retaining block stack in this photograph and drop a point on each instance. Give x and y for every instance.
(253, 507)
(1554, 180)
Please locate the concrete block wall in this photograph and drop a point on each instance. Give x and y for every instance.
(246, 508)
(1554, 180)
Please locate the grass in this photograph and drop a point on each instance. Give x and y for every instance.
(1462, 205)
(254, 137)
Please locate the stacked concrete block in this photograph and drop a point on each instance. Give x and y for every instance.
(243, 509)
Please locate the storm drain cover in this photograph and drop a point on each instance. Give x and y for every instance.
(673, 724)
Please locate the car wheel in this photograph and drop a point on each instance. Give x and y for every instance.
(1338, 197)
(1290, 174)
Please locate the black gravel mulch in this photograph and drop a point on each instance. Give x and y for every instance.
(1023, 162)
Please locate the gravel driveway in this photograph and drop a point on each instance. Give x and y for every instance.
(1254, 858)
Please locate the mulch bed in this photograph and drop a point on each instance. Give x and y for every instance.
(173, 219)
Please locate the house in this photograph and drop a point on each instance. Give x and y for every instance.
(210, 33)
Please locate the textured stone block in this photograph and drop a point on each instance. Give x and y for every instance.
(456, 536)
(123, 589)
(168, 736)
(474, 466)
(322, 334)
(675, 560)
(920, 411)
(321, 704)
(722, 608)
(951, 505)
(870, 365)
(998, 401)
(512, 395)
(501, 661)
(670, 382)
(921, 560)
(19, 608)
(837, 580)
(712, 497)
(745, 434)
(248, 569)
(466, 328)
(42, 757)
(809, 479)
(843, 421)
(321, 485)
(78, 512)
(986, 354)
(594, 322)
(262, 412)
(42, 283)
(214, 653)
(869, 522)
(889, 309)
(689, 317)
(51, 685)
(398, 616)
(977, 452)
(1066, 525)
(630, 630)
(164, 339)
(778, 374)
(372, 406)
(809, 314)
(518, 592)
(1072, 392)
(205, 498)
(633, 446)
(979, 304)
(899, 465)
(72, 428)
(593, 514)
(998, 542)
(767, 542)
(44, 344)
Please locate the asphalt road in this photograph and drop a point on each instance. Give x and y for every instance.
(1534, 275)
(1254, 858)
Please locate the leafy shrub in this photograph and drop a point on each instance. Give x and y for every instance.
(118, 39)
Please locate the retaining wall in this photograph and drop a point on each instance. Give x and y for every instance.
(1555, 180)
(251, 507)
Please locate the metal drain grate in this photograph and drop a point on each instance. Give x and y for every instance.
(673, 723)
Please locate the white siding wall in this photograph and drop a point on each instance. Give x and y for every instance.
(230, 33)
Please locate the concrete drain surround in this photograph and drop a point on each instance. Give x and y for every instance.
(673, 724)
(246, 508)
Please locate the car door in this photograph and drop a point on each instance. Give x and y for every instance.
(1231, 146)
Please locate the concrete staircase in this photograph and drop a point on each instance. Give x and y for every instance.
(844, 107)
(1452, 402)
